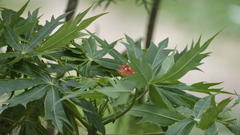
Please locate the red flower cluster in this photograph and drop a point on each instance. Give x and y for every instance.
(125, 70)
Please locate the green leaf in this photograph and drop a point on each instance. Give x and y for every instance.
(166, 65)
(82, 103)
(55, 112)
(32, 70)
(18, 84)
(204, 87)
(154, 114)
(156, 97)
(173, 97)
(9, 55)
(109, 63)
(110, 47)
(17, 17)
(202, 105)
(25, 28)
(66, 33)
(96, 121)
(44, 32)
(12, 38)
(155, 55)
(31, 127)
(185, 111)
(83, 94)
(143, 72)
(29, 95)
(186, 62)
(210, 116)
(213, 130)
(183, 127)
(228, 119)
(8, 15)
(120, 91)
(15, 113)
(31, 18)
(133, 48)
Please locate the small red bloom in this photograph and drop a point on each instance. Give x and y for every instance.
(125, 70)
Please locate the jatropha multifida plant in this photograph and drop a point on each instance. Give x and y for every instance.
(50, 80)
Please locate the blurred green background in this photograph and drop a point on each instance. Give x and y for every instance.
(179, 20)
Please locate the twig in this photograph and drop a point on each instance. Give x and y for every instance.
(151, 23)
(71, 7)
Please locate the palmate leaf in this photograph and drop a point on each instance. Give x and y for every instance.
(82, 103)
(30, 95)
(157, 115)
(18, 84)
(12, 38)
(183, 127)
(143, 72)
(210, 116)
(31, 127)
(213, 130)
(157, 97)
(9, 55)
(120, 91)
(166, 65)
(202, 105)
(228, 119)
(204, 87)
(7, 15)
(44, 32)
(66, 33)
(109, 63)
(16, 17)
(55, 112)
(173, 97)
(30, 19)
(186, 62)
(96, 121)
(133, 48)
(156, 54)
(32, 70)
(105, 45)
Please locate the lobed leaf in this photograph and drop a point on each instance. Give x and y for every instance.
(202, 105)
(186, 62)
(143, 72)
(30, 95)
(55, 112)
(66, 33)
(157, 97)
(18, 84)
(44, 32)
(210, 116)
(213, 130)
(157, 115)
(183, 127)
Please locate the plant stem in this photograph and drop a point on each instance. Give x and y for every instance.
(71, 7)
(112, 118)
(77, 116)
(151, 23)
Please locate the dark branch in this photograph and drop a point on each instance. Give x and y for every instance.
(71, 7)
(151, 23)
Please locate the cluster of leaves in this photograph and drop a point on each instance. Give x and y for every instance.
(35, 66)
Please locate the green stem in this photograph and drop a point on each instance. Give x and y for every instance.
(78, 117)
(112, 118)
(5, 74)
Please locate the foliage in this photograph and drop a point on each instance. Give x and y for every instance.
(51, 79)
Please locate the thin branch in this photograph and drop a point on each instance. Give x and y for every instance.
(113, 117)
(151, 23)
(71, 7)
